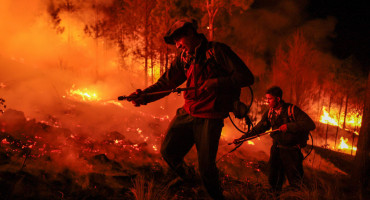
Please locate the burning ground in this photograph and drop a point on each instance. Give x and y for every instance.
(43, 160)
(77, 142)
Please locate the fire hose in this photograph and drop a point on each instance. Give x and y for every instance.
(240, 141)
(176, 90)
(179, 90)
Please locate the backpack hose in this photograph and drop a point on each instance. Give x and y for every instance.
(250, 125)
(245, 115)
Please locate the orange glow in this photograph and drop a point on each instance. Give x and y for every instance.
(87, 95)
(327, 119)
(4, 141)
(156, 73)
(353, 120)
(83, 94)
(343, 145)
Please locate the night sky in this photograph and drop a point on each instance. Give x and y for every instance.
(352, 35)
(352, 29)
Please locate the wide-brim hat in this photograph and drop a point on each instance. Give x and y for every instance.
(178, 27)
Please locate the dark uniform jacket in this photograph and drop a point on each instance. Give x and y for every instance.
(211, 60)
(298, 129)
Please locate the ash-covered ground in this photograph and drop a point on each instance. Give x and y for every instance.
(46, 160)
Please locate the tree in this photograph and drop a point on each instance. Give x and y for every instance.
(294, 68)
(212, 8)
(361, 171)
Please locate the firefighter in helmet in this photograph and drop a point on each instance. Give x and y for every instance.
(217, 74)
(294, 126)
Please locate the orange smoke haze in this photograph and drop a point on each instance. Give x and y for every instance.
(43, 73)
(39, 65)
(56, 74)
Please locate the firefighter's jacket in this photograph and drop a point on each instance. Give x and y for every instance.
(299, 125)
(211, 60)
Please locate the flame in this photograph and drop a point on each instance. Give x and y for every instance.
(344, 146)
(87, 95)
(353, 119)
(84, 94)
(327, 119)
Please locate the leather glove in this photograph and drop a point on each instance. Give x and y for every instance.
(138, 98)
(283, 128)
(242, 137)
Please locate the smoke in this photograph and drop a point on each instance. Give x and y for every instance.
(45, 53)
(267, 25)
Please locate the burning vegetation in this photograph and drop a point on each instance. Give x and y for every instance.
(64, 135)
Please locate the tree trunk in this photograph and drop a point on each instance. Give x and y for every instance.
(161, 62)
(353, 140)
(152, 65)
(212, 11)
(361, 171)
(146, 65)
(327, 125)
(345, 113)
(340, 110)
(146, 48)
(319, 107)
(167, 26)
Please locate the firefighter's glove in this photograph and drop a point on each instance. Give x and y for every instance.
(237, 141)
(138, 98)
(283, 128)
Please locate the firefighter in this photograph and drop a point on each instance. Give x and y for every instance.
(218, 74)
(285, 155)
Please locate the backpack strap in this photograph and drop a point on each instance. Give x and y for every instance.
(269, 115)
(291, 112)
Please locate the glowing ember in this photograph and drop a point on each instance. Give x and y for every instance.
(4, 141)
(250, 142)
